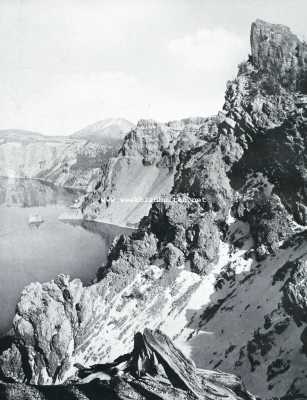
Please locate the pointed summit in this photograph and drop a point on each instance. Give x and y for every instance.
(275, 49)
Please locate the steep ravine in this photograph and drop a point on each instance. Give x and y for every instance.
(220, 267)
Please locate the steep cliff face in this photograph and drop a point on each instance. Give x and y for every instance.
(275, 49)
(144, 169)
(219, 265)
(270, 118)
(59, 160)
(251, 321)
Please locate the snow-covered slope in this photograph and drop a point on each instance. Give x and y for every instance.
(98, 323)
(234, 318)
(250, 326)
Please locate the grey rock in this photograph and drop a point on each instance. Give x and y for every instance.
(295, 292)
(277, 50)
(269, 221)
(173, 257)
(154, 368)
(187, 226)
(202, 174)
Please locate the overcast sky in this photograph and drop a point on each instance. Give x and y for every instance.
(68, 63)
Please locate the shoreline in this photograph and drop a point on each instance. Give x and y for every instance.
(78, 217)
(47, 182)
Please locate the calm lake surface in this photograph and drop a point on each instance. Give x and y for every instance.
(30, 253)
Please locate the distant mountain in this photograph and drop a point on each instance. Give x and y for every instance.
(106, 131)
(62, 160)
(70, 161)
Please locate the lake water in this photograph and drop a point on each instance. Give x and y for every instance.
(29, 253)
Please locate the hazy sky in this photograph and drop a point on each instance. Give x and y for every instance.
(68, 63)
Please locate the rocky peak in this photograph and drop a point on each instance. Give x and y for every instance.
(277, 50)
(239, 183)
(147, 139)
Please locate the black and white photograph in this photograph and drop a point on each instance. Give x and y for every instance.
(153, 200)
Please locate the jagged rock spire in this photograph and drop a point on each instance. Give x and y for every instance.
(277, 50)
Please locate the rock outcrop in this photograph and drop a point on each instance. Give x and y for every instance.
(268, 219)
(154, 369)
(202, 175)
(184, 225)
(218, 264)
(144, 169)
(270, 117)
(275, 49)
